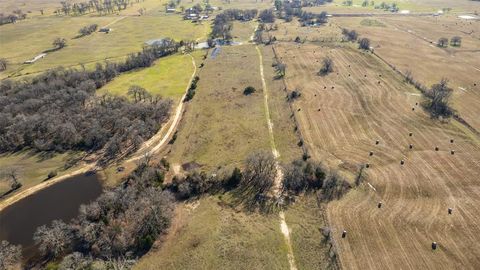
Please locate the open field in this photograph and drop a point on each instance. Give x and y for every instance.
(404, 41)
(210, 235)
(340, 126)
(29, 38)
(221, 125)
(33, 168)
(167, 77)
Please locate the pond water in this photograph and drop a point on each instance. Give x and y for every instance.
(19, 221)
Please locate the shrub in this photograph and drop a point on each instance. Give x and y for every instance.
(249, 90)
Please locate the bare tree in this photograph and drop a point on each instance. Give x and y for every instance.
(259, 174)
(53, 241)
(439, 96)
(442, 42)
(3, 64)
(456, 41)
(327, 66)
(59, 43)
(364, 44)
(10, 255)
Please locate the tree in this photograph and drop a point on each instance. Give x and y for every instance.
(59, 43)
(3, 64)
(327, 66)
(10, 255)
(249, 90)
(53, 241)
(442, 42)
(364, 44)
(439, 98)
(267, 16)
(456, 41)
(259, 174)
(280, 69)
(350, 35)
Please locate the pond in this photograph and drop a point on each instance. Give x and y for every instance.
(19, 221)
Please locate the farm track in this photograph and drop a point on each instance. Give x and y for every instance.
(149, 147)
(354, 114)
(278, 179)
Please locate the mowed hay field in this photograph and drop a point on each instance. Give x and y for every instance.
(222, 126)
(406, 44)
(340, 127)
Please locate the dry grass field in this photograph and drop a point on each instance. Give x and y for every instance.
(405, 42)
(341, 116)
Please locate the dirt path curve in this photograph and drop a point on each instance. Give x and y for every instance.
(145, 149)
(278, 179)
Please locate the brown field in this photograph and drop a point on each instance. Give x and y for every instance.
(340, 127)
(405, 43)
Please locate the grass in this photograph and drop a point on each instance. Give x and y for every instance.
(305, 220)
(34, 168)
(222, 126)
(168, 77)
(27, 39)
(370, 22)
(212, 236)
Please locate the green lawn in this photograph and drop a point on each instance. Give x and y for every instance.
(168, 77)
(212, 236)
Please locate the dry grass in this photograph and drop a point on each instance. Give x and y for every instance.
(407, 40)
(416, 196)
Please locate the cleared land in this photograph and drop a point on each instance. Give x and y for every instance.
(26, 39)
(209, 234)
(168, 77)
(409, 44)
(221, 125)
(33, 168)
(340, 126)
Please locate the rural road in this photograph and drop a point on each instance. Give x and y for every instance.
(138, 155)
(278, 179)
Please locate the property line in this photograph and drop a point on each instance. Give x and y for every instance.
(278, 179)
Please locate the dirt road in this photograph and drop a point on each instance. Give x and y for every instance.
(278, 179)
(157, 141)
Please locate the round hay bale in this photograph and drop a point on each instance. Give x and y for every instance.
(378, 82)
(451, 141)
(367, 165)
(410, 146)
(348, 75)
(299, 109)
(333, 87)
(436, 148)
(402, 162)
(413, 109)
(365, 75)
(377, 142)
(344, 234)
(379, 205)
(324, 87)
(416, 103)
(380, 75)
(450, 210)
(434, 245)
(452, 152)
(371, 153)
(410, 134)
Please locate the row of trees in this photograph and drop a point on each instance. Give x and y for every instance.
(352, 36)
(59, 111)
(222, 24)
(455, 41)
(13, 17)
(99, 6)
(87, 30)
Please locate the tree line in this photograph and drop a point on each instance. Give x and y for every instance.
(59, 111)
(13, 17)
(222, 24)
(99, 6)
